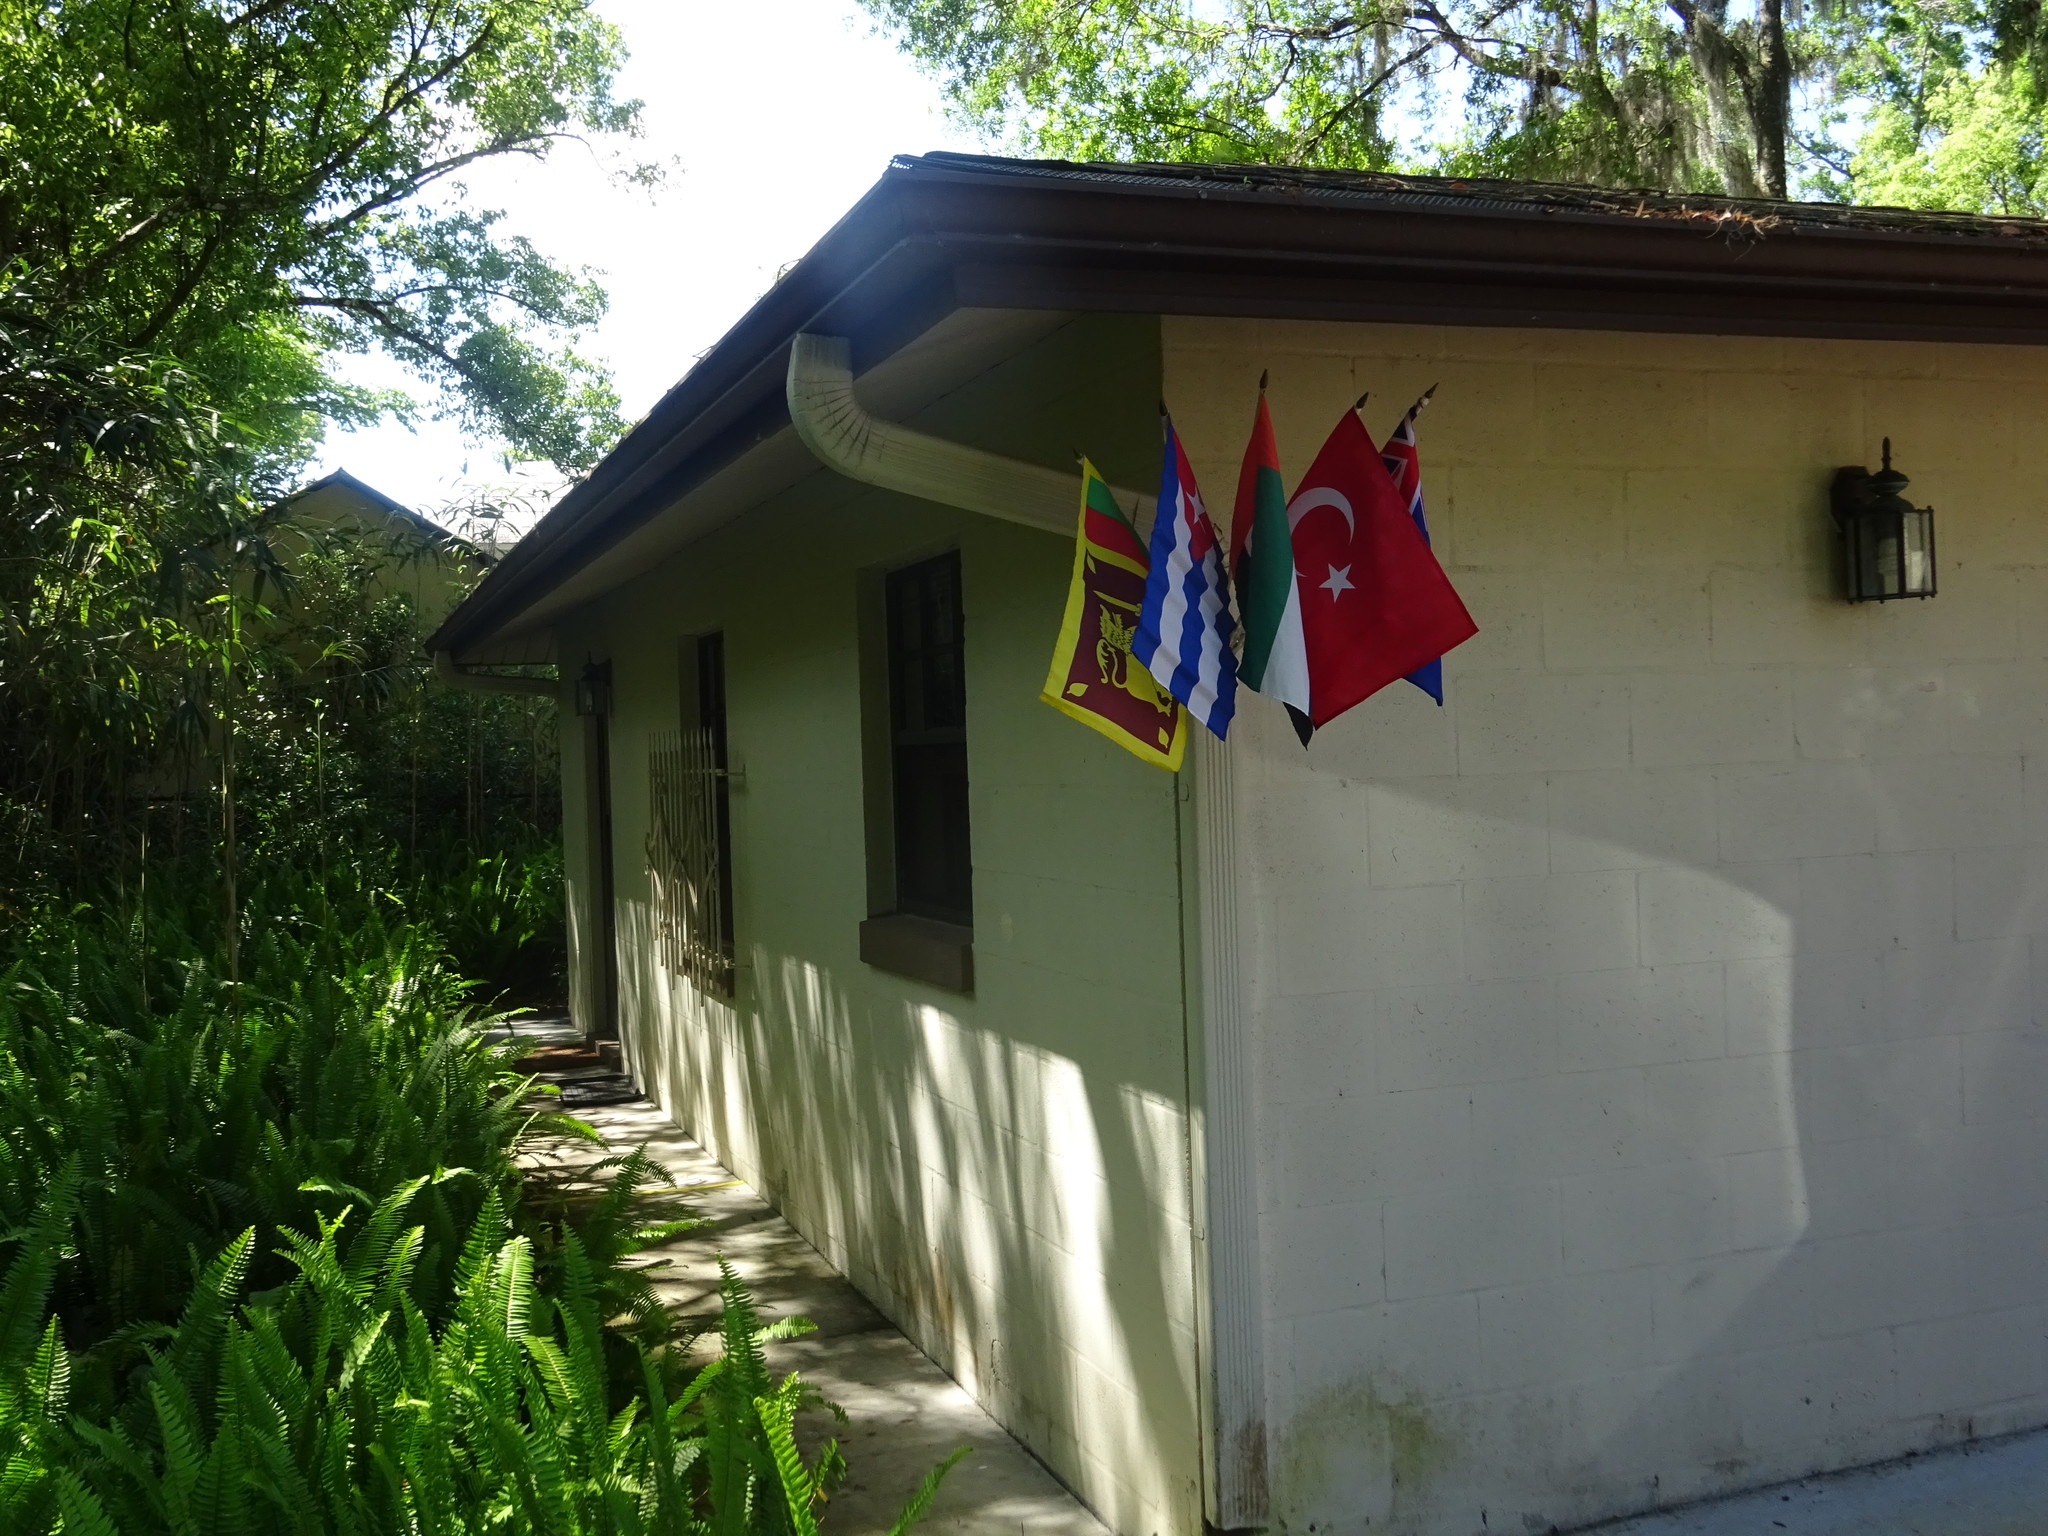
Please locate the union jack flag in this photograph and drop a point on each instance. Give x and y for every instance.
(1404, 466)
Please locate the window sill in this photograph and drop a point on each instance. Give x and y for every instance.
(921, 949)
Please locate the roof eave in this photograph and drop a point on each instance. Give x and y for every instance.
(940, 232)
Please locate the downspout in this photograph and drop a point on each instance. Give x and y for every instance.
(492, 682)
(842, 435)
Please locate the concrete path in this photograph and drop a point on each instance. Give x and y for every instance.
(1988, 1488)
(906, 1414)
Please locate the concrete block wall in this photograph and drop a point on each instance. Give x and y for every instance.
(1652, 1056)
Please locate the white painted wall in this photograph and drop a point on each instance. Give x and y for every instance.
(1651, 1070)
(1007, 1174)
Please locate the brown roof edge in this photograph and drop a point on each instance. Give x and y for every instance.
(943, 230)
(1704, 210)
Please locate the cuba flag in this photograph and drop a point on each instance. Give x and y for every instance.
(1185, 625)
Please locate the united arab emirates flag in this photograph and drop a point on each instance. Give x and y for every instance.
(1094, 677)
(1275, 661)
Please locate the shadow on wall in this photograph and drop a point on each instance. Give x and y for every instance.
(1785, 1114)
(986, 1194)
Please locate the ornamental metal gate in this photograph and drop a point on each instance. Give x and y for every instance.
(683, 858)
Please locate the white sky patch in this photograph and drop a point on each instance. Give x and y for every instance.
(777, 119)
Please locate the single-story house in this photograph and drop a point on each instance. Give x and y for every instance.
(1622, 1085)
(412, 554)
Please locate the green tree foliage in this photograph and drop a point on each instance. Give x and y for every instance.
(129, 552)
(250, 185)
(202, 204)
(188, 674)
(1690, 93)
(1958, 101)
(1925, 103)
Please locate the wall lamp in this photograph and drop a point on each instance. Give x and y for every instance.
(594, 688)
(1888, 543)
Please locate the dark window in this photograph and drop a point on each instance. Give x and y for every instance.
(928, 742)
(711, 717)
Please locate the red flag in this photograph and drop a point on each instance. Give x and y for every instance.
(1375, 605)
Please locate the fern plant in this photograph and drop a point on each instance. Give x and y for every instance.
(336, 1405)
(271, 1264)
(344, 1063)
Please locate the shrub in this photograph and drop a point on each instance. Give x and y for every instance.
(337, 1405)
(272, 1267)
(342, 1066)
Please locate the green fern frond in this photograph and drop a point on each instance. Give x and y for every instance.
(120, 1452)
(27, 1287)
(195, 1347)
(84, 1514)
(182, 1440)
(798, 1491)
(830, 1471)
(513, 1293)
(49, 1376)
(927, 1490)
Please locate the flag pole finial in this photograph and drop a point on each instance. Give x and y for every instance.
(1264, 375)
(1361, 401)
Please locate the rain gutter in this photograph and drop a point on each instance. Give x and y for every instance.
(840, 433)
(493, 682)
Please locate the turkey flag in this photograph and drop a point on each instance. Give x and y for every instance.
(1375, 605)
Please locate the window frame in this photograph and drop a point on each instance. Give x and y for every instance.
(932, 842)
(921, 940)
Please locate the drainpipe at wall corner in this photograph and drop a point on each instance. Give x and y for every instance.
(493, 682)
(842, 435)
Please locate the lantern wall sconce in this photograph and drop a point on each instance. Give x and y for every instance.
(594, 689)
(1887, 542)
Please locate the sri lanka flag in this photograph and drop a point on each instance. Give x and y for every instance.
(1404, 467)
(1094, 677)
(1185, 626)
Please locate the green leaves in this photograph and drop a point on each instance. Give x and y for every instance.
(1944, 95)
(1976, 141)
(305, 1288)
(352, 1073)
(249, 188)
(497, 1420)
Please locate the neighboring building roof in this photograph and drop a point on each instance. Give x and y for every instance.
(945, 232)
(347, 484)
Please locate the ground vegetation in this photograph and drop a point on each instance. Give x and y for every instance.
(272, 1258)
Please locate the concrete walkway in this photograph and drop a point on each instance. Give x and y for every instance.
(1989, 1488)
(906, 1415)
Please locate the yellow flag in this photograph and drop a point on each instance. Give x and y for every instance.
(1093, 676)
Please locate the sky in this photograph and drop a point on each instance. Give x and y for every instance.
(776, 115)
